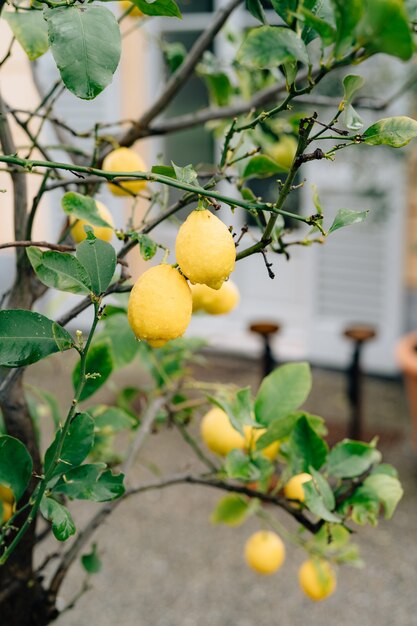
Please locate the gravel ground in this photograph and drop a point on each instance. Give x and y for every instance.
(164, 564)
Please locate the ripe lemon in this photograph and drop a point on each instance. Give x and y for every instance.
(125, 5)
(101, 232)
(293, 490)
(218, 433)
(317, 579)
(205, 249)
(125, 160)
(283, 151)
(215, 301)
(7, 511)
(6, 494)
(265, 552)
(160, 305)
(251, 437)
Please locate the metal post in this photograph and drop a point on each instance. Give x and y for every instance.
(266, 330)
(359, 335)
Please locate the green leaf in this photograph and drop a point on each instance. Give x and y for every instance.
(85, 58)
(391, 131)
(62, 523)
(239, 410)
(255, 8)
(270, 46)
(306, 449)
(27, 337)
(238, 465)
(89, 482)
(174, 54)
(347, 15)
(147, 246)
(185, 174)
(348, 459)
(362, 507)
(384, 28)
(59, 270)
(411, 6)
(351, 118)
(323, 488)
(346, 217)
(99, 259)
(261, 166)
(123, 343)
(91, 561)
(83, 208)
(30, 30)
(51, 402)
(315, 503)
(111, 419)
(76, 447)
(279, 429)
(285, 9)
(315, 23)
(231, 510)
(164, 170)
(99, 366)
(387, 489)
(351, 84)
(282, 392)
(15, 465)
(167, 8)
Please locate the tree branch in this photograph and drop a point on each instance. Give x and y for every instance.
(177, 80)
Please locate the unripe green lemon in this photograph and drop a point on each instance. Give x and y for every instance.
(317, 579)
(283, 151)
(218, 433)
(293, 490)
(205, 249)
(160, 305)
(101, 232)
(265, 552)
(125, 160)
(215, 301)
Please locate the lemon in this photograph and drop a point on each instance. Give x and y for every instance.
(265, 552)
(125, 160)
(7, 511)
(160, 305)
(251, 437)
(293, 490)
(283, 151)
(6, 494)
(125, 5)
(101, 232)
(205, 249)
(218, 433)
(215, 301)
(317, 579)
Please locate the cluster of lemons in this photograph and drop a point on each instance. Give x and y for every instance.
(162, 301)
(265, 550)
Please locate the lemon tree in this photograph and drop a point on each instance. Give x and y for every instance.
(258, 446)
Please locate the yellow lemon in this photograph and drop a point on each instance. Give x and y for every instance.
(101, 232)
(215, 301)
(293, 490)
(265, 552)
(251, 437)
(160, 305)
(7, 511)
(125, 5)
(218, 433)
(125, 160)
(6, 494)
(205, 249)
(317, 579)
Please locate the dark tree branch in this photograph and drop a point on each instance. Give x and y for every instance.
(177, 80)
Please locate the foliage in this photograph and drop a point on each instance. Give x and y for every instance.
(94, 445)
